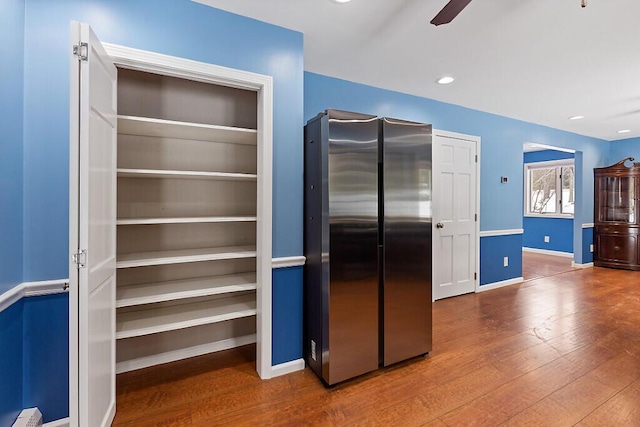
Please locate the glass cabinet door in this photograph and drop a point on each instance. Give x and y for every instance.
(617, 199)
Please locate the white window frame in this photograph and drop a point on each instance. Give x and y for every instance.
(527, 187)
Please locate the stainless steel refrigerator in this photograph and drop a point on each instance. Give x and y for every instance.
(367, 240)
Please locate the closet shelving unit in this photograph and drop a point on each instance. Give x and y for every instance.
(186, 228)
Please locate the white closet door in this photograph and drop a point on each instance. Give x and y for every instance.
(454, 214)
(92, 229)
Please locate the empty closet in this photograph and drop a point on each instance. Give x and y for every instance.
(170, 215)
(186, 218)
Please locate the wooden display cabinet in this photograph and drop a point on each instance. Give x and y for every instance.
(616, 231)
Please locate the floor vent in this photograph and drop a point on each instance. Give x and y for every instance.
(29, 418)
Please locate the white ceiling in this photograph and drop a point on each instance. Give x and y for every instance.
(541, 61)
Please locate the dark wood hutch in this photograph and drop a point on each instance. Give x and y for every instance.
(616, 231)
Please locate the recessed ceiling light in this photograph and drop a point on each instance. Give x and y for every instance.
(624, 131)
(445, 80)
(576, 117)
(341, 1)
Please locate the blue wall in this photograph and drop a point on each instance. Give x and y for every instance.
(11, 172)
(287, 315)
(11, 387)
(559, 230)
(174, 27)
(502, 139)
(493, 249)
(624, 148)
(46, 355)
(35, 158)
(546, 156)
(11, 115)
(501, 154)
(34, 360)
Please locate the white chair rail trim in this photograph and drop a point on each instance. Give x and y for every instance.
(492, 233)
(29, 289)
(49, 287)
(289, 261)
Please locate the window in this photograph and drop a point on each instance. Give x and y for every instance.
(550, 188)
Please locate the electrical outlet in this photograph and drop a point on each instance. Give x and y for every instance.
(546, 239)
(591, 248)
(506, 261)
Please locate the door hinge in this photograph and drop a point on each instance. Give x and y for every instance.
(81, 51)
(476, 217)
(475, 276)
(80, 258)
(476, 158)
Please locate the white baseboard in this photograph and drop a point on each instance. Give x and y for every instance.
(501, 284)
(29, 289)
(548, 252)
(287, 368)
(185, 353)
(587, 265)
(64, 422)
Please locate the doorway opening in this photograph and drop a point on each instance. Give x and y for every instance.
(549, 201)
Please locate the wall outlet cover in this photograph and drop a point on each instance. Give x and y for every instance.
(591, 248)
(506, 261)
(546, 239)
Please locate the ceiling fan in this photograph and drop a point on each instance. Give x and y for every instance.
(449, 11)
(454, 7)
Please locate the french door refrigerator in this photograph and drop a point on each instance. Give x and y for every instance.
(367, 240)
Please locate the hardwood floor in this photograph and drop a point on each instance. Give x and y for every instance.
(557, 351)
(536, 265)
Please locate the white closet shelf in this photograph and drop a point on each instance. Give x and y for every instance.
(148, 293)
(142, 259)
(144, 126)
(154, 173)
(152, 321)
(184, 220)
(134, 363)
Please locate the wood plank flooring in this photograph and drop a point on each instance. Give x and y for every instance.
(536, 265)
(562, 350)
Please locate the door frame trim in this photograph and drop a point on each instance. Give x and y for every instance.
(141, 60)
(477, 141)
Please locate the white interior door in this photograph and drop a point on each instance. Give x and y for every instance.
(92, 230)
(454, 214)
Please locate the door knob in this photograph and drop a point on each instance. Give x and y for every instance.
(439, 225)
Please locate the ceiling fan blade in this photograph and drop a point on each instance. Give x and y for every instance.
(450, 11)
